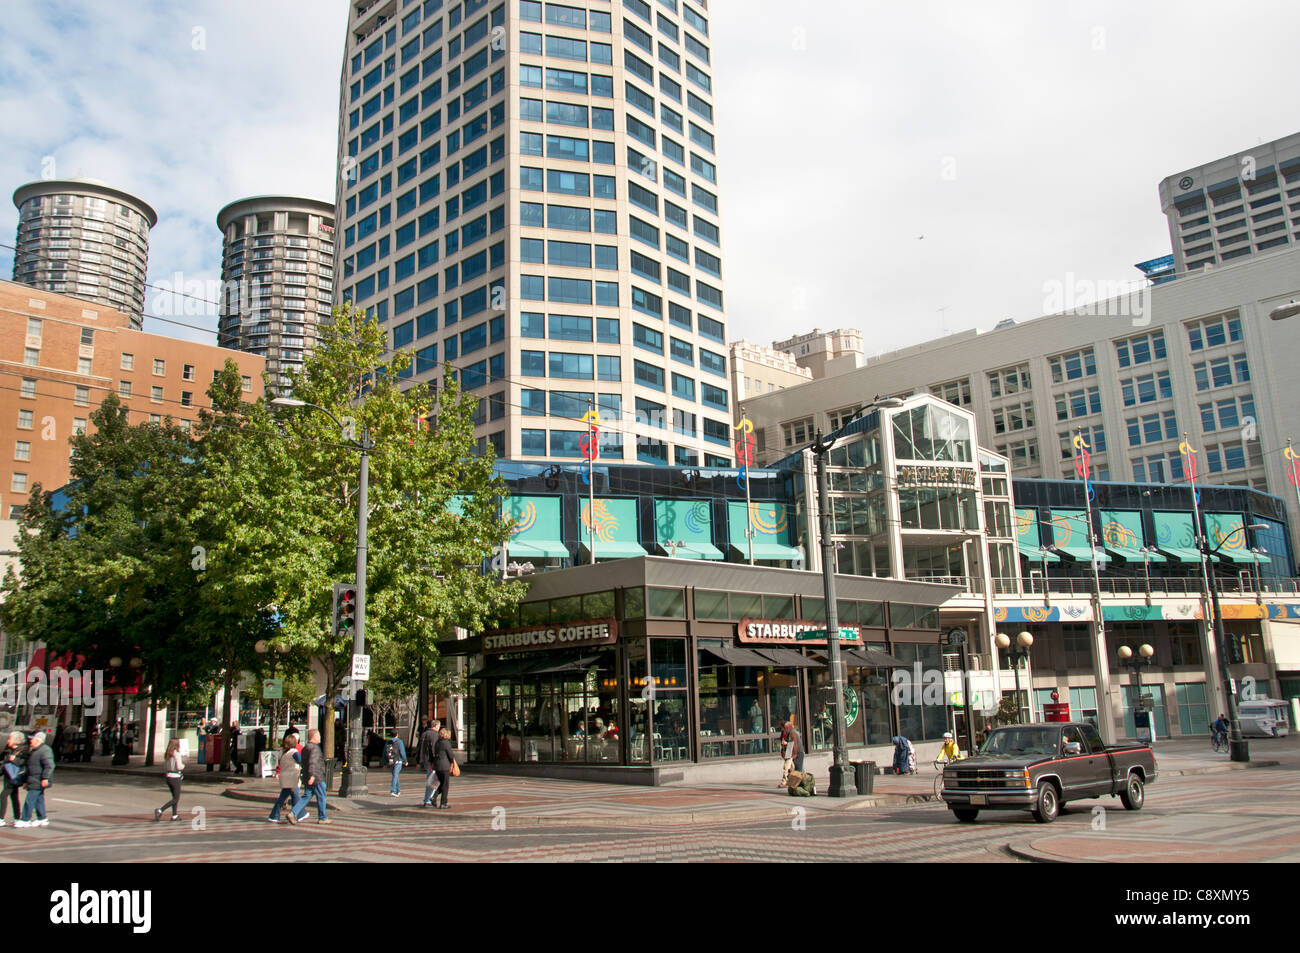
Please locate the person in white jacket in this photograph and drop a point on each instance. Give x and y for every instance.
(173, 771)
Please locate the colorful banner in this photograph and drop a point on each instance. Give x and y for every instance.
(1176, 536)
(616, 527)
(537, 527)
(1121, 532)
(771, 530)
(685, 528)
(1061, 612)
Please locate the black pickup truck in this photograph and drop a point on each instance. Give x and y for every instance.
(1041, 766)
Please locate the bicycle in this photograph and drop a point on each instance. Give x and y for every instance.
(938, 780)
(1219, 740)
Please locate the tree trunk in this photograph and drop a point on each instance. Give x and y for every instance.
(152, 726)
(229, 686)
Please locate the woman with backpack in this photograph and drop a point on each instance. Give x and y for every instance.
(173, 772)
(15, 773)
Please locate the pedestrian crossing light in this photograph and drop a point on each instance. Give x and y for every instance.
(345, 608)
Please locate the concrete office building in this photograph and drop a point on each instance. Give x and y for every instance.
(758, 369)
(1198, 354)
(825, 353)
(1234, 207)
(277, 273)
(84, 238)
(529, 191)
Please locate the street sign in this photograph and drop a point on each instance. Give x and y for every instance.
(361, 668)
(816, 635)
(272, 688)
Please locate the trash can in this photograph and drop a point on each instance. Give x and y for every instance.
(864, 773)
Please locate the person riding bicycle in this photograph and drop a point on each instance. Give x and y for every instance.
(1220, 730)
(949, 751)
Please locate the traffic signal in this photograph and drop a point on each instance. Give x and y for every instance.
(345, 608)
(1235, 654)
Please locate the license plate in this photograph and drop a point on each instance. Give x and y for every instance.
(979, 799)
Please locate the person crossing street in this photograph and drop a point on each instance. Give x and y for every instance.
(395, 759)
(40, 767)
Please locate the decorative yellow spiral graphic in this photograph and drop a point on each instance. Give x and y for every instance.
(525, 518)
(1061, 530)
(768, 518)
(1024, 523)
(1117, 534)
(606, 522)
(1036, 613)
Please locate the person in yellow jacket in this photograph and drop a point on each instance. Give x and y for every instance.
(949, 751)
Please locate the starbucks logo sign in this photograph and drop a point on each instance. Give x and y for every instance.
(850, 705)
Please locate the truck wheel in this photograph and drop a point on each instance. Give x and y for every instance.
(1133, 794)
(966, 814)
(1047, 805)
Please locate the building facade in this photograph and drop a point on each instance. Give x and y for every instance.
(1196, 356)
(86, 239)
(277, 273)
(61, 358)
(1234, 207)
(817, 349)
(758, 369)
(529, 192)
(932, 536)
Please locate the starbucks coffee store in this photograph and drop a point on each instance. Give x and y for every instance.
(650, 670)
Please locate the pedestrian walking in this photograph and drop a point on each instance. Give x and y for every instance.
(290, 771)
(791, 751)
(313, 770)
(173, 772)
(425, 756)
(15, 774)
(395, 759)
(40, 767)
(443, 762)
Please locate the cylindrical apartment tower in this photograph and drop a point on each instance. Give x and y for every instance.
(84, 238)
(277, 274)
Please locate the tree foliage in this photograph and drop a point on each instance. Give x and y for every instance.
(174, 546)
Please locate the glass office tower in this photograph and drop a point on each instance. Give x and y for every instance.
(529, 191)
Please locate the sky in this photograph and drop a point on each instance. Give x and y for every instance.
(907, 169)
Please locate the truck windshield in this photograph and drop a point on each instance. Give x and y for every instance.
(1022, 741)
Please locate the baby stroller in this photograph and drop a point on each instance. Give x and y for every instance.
(904, 756)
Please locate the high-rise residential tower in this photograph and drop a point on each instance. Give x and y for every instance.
(529, 191)
(84, 238)
(1239, 205)
(277, 273)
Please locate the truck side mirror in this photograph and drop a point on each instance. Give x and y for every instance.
(1073, 747)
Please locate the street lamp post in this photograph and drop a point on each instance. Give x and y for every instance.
(353, 780)
(1023, 641)
(842, 782)
(1135, 664)
(1147, 552)
(1238, 747)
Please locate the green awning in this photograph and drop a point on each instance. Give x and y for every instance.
(538, 549)
(1071, 534)
(617, 536)
(615, 549)
(1121, 534)
(695, 551)
(689, 524)
(456, 505)
(1238, 556)
(537, 532)
(1227, 532)
(1036, 555)
(1176, 538)
(771, 528)
(1181, 554)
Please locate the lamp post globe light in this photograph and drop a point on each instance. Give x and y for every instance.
(1238, 747)
(1023, 641)
(841, 779)
(352, 782)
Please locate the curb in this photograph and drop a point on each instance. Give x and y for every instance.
(1026, 851)
(153, 774)
(1220, 768)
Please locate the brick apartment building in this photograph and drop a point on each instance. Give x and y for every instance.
(60, 356)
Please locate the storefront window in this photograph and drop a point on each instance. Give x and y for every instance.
(740, 707)
(598, 605)
(535, 613)
(634, 603)
(667, 603)
(711, 605)
(745, 605)
(922, 708)
(567, 711)
(1193, 708)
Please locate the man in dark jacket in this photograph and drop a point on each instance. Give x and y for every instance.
(40, 767)
(313, 778)
(425, 757)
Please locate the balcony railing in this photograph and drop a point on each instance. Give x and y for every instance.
(1119, 586)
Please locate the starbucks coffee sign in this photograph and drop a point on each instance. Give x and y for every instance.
(776, 631)
(561, 636)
